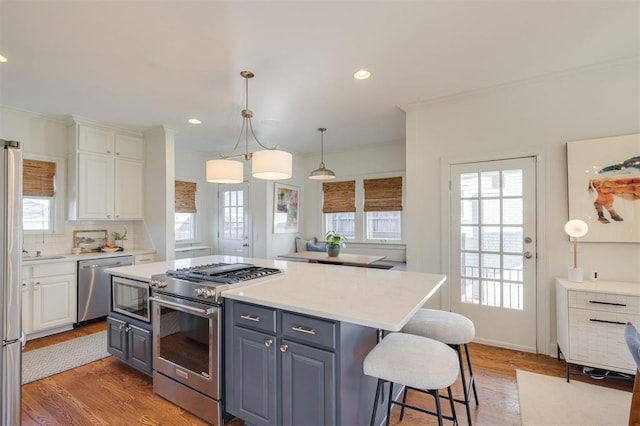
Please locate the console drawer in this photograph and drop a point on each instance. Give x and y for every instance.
(308, 329)
(256, 317)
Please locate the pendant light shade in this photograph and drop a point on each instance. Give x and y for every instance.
(269, 163)
(224, 171)
(322, 173)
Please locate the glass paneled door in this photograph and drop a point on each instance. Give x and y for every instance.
(493, 258)
(234, 230)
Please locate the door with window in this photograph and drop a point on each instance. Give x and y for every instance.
(493, 243)
(234, 229)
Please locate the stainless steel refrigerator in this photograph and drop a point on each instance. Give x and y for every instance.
(10, 288)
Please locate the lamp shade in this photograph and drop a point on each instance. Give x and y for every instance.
(271, 164)
(576, 228)
(225, 171)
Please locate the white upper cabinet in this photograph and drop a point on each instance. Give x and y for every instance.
(105, 173)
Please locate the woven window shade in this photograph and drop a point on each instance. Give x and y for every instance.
(185, 197)
(383, 195)
(339, 197)
(38, 178)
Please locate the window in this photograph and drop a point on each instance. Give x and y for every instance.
(379, 199)
(185, 211)
(339, 207)
(38, 195)
(383, 208)
(233, 226)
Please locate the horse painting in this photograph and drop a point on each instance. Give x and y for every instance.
(627, 188)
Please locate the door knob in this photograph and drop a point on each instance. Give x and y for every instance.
(528, 255)
(283, 348)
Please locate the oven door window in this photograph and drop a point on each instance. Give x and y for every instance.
(188, 340)
(131, 298)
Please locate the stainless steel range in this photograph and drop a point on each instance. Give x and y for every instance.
(187, 333)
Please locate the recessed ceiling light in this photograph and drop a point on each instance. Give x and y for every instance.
(3, 59)
(194, 121)
(361, 75)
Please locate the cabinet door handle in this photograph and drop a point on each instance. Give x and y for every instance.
(607, 322)
(37, 282)
(250, 318)
(121, 326)
(108, 216)
(607, 303)
(127, 329)
(268, 342)
(305, 330)
(283, 348)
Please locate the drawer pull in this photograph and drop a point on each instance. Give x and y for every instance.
(305, 330)
(250, 318)
(607, 303)
(608, 322)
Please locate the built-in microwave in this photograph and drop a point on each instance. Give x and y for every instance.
(131, 298)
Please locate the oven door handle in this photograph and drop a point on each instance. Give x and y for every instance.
(183, 307)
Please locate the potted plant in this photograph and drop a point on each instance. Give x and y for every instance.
(118, 238)
(334, 242)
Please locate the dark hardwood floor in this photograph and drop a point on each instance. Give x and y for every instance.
(108, 392)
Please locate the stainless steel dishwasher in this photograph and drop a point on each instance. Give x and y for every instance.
(94, 285)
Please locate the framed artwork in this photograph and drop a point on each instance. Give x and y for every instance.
(90, 241)
(286, 204)
(604, 187)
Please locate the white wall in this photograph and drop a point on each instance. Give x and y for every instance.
(537, 116)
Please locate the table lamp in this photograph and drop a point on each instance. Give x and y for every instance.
(576, 228)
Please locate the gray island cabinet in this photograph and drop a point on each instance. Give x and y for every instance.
(286, 368)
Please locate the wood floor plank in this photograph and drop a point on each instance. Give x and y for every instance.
(108, 392)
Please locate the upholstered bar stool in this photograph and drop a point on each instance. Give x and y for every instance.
(413, 361)
(454, 330)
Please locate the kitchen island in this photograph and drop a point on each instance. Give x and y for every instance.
(294, 342)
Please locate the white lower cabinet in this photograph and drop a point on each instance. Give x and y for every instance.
(591, 317)
(49, 300)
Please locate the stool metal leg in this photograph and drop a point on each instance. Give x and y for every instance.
(453, 408)
(404, 401)
(471, 376)
(436, 396)
(390, 402)
(375, 403)
(465, 389)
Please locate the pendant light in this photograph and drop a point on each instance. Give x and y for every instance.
(268, 163)
(322, 173)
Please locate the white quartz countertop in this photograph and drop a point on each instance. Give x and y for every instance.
(602, 286)
(384, 299)
(34, 260)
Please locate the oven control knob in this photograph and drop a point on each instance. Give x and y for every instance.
(154, 283)
(162, 284)
(209, 293)
(200, 291)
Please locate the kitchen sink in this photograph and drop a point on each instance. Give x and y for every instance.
(32, 258)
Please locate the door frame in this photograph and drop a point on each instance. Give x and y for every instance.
(543, 308)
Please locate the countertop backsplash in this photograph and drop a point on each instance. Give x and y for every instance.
(62, 243)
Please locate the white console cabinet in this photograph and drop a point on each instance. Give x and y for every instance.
(105, 179)
(591, 317)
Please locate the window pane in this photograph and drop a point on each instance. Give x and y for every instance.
(469, 212)
(469, 236)
(384, 226)
(342, 223)
(512, 239)
(36, 214)
(470, 263)
(468, 185)
(491, 238)
(491, 293)
(490, 184)
(491, 212)
(470, 291)
(512, 181)
(185, 226)
(512, 211)
(513, 268)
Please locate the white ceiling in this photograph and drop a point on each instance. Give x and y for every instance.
(149, 63)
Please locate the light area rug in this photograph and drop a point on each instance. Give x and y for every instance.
(50, 360)
(547, 400)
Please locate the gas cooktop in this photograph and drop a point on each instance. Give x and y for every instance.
(227, 273)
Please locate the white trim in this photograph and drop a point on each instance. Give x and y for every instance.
(543, 320)
(199, 217)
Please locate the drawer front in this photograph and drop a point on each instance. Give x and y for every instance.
(604, 302)
(63, 268)
(144, 258)
(597, 337)
(310, 330)
(257, 317)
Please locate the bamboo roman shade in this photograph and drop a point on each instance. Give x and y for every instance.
(38, 178)
(383, 195)
(185, 197)
(339, 197)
